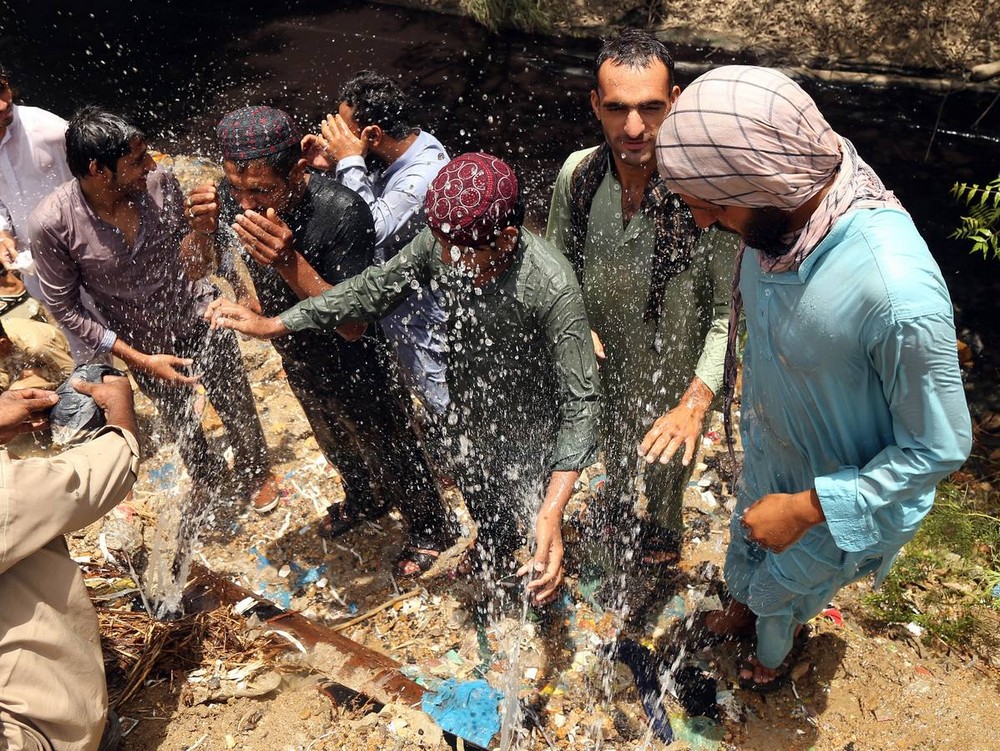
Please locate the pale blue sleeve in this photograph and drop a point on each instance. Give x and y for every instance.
(917, 362)
(401, 200)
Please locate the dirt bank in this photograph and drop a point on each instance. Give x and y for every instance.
(912, 36)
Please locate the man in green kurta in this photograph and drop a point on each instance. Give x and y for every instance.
(656, 290)
(521, 368)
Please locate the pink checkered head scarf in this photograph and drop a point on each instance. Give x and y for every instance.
(472, 199)
(747, 136)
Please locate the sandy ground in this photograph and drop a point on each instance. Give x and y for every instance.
(852, 689)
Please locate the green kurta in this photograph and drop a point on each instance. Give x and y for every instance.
(521, 368)
(648, 367)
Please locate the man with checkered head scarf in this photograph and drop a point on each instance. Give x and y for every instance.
(852, 406)
(521, 368)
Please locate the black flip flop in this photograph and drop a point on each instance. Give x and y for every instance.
(339, 520)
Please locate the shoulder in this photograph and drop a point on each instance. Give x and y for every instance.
(330, 197)
(572, 162)
(891, 264)
(41, 124)
(53, 210)
(544, 264)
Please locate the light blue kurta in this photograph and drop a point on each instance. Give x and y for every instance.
(851, 385)
(396, 199)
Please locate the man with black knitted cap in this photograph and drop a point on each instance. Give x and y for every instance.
(300, 233)
(521, 367)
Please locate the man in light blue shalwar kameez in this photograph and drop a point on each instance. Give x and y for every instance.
(853, 407)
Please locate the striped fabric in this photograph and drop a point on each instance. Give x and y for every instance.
(748, 136)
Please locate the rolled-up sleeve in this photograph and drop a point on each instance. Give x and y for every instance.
(918, 366)
(43, 498)
(59, 279)
(568, 334)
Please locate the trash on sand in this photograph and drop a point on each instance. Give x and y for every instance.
(468, 709)
(833, 615)
(698, 733)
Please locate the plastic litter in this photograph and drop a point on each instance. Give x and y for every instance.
(76, 418)
(468, 709)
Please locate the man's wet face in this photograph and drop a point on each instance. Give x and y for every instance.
(131, 169)
(258, 187)
(765, 229)
(631, 103)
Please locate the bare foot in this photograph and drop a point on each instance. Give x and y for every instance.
(759, 674)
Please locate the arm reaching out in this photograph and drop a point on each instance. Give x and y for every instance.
(680, 426)
(226, 314)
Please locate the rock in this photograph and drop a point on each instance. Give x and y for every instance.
(800, 670)
(986, 71)
(411, 725)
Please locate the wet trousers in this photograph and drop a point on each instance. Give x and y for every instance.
(790, 588)
(363, 426)
(218, 362)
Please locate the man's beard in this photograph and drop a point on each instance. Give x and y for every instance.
(765, 231)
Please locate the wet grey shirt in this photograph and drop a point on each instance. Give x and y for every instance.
(521, 367)
(140, 292)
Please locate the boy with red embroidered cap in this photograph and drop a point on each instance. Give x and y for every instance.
(522, 371)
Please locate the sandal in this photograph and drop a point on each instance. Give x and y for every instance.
(783, 670)
(339, 519)
(659, 546)
(414, 560)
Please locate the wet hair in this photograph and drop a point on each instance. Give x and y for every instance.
(282, 162)
(4, 72)
(96, 135)
(376, 100)
(634, 48)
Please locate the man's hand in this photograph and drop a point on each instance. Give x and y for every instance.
(266, 237)
(351, 332)
(316, 153)
(8, 250)
(340, 141)
(114, 397)
(226, 314)
(680, 426)
(777, 521)
(202, 209)
(598, 346)
(24, 411)
(547, 563)
(164, 367)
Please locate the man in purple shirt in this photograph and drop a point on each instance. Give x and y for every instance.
(118, 231)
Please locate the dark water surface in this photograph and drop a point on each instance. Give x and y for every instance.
(177, 67)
